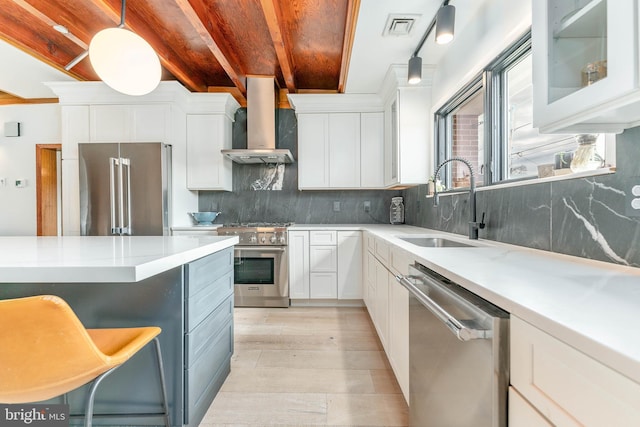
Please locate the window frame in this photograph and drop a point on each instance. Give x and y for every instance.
(493, 80)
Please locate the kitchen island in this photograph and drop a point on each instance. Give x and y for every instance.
(182, 284)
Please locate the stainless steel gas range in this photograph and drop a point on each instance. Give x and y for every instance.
(261, 264)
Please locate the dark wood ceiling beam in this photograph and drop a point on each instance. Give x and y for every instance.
(169, 59)
(212, 37)
(49, 22)
(347, 45)
(273, 15)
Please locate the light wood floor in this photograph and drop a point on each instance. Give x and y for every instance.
(304, 366)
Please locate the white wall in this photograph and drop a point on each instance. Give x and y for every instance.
(496, 25)
(40, 124)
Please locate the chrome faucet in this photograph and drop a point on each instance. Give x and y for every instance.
(474, 225)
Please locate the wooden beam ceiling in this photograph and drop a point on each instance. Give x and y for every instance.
(208, 45)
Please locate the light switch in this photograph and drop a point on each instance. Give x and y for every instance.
(21, 183)
(336, 206)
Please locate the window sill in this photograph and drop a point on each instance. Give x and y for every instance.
(531, 181)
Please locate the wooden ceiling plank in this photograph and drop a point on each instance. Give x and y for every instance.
(347, 45)
(273, 15)
(230, 66)
(169, 59)
(49, 22)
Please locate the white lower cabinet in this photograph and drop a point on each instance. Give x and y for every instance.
(298, 264)
(349, 265)
(325, 264)
(566, 386)
(388, 304)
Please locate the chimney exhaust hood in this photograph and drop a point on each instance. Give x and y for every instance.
(261, 126)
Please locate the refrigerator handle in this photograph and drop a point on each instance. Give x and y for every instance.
(113, 163)
(126, 228)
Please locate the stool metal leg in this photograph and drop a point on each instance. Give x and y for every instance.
(165, 406)
(88, 417)
(88, 411)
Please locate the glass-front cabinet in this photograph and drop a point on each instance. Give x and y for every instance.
(585, 65)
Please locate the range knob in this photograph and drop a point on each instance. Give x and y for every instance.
(253, 238)
(273, 239)
(263, 240)
(283, 240)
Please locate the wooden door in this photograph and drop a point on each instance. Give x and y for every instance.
(47, 189)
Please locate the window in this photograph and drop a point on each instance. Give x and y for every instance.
(502, 97)
(461, 125)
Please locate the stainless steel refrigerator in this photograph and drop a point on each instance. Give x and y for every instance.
(125, 189)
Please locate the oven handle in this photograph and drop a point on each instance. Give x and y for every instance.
(462, 332)
(261, 248)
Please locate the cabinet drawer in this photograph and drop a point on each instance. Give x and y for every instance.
(522, 414)
(205, 377)
(382, 250)
(198, 340)
(204, 302)
(323, 259)
(566, 386)
(326, 237)
(200, 273)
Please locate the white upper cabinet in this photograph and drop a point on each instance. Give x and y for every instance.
(340, 141)
(207, 168)
(130, 123)
(585, 65)
(407, 129)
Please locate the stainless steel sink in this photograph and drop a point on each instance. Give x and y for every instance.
(434, 242)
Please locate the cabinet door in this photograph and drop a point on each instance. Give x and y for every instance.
(207, 168)
(391, 147)
(382, 304)
(399, 333)
(370, 283)
(150, 123)
(110, 123)
(323, 285)
(584, 60)
(349, 265)
(299, 264)
(323, 259)
(567, 386)
(344, 150)
(313, 151)
(372, 150)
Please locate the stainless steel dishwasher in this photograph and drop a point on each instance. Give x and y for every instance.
(458, 354)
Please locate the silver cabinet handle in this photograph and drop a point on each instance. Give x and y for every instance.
(113, 162)
(261, 248)
(459, 330)
(126, 165)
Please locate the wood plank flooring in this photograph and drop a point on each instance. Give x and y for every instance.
(307, 366)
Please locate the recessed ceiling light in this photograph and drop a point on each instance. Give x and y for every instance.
(61, 29)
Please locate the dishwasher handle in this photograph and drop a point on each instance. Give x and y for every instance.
(462, 332)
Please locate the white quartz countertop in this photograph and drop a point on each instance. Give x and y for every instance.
(100, 259)
(590, 305)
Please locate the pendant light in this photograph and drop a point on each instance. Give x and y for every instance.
(123, 60)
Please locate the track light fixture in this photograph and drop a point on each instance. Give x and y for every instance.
(415, 70)
(443, 22)
(123, 60)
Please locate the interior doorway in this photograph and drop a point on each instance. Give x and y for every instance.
(49, 189)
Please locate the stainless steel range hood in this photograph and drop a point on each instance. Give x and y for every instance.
(261, 126)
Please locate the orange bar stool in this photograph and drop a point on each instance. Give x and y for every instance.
(45, 352)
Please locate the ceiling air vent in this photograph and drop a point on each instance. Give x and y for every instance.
(399, 25)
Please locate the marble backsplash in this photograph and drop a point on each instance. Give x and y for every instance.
(281, 201)
(586, 217)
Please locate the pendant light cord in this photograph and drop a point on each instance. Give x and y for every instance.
(123, 10)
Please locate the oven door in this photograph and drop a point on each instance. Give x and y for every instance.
(261, 276)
